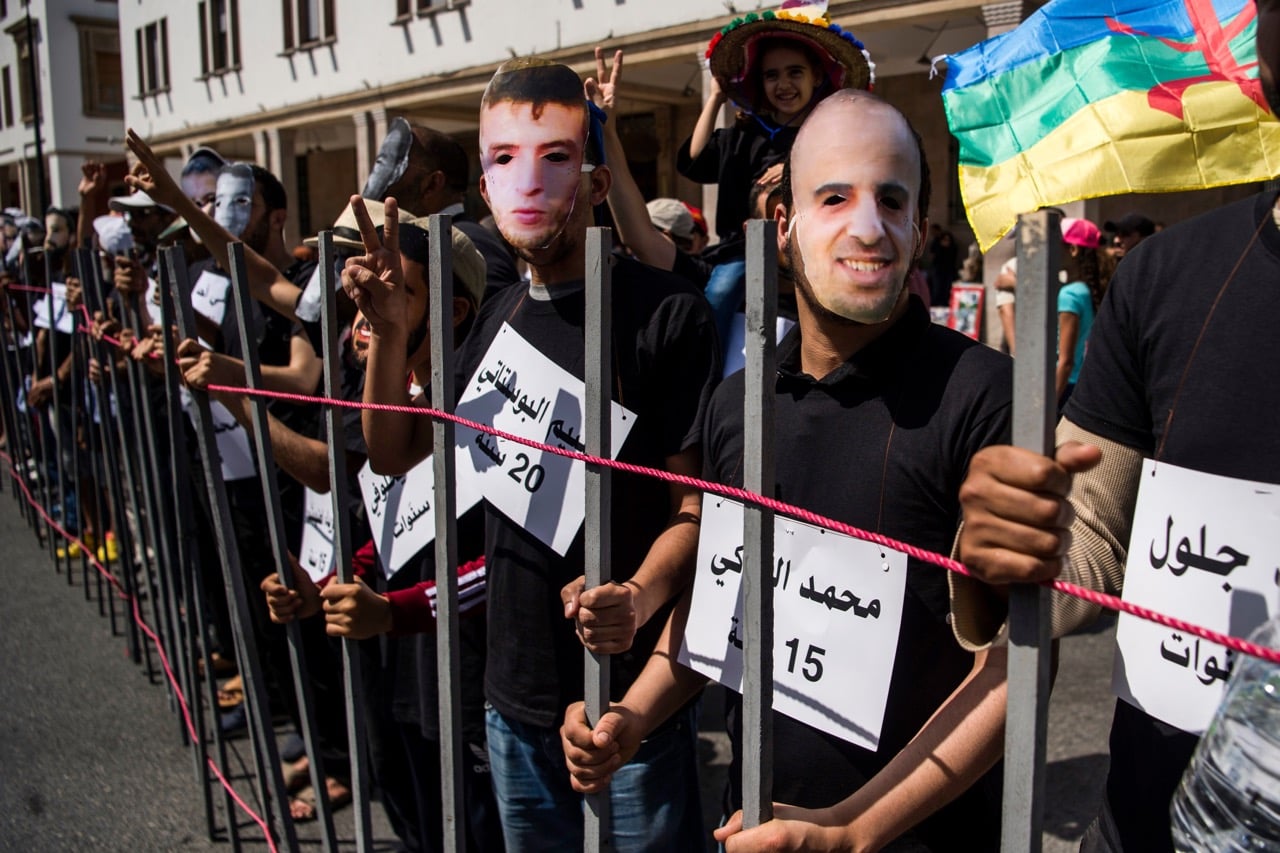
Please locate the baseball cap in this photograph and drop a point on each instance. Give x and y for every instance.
(135, 201)
(669, 214)
(1080, 232)
(1131, 223)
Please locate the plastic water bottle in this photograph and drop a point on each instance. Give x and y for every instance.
(1229, 799)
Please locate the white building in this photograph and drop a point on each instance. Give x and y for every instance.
(77, 91)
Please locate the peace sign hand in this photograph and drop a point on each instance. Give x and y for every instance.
(375, 280)
(602, 91)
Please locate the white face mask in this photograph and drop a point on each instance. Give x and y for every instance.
(234, 202)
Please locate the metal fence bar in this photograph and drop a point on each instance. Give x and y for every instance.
(757, 562)
(193, 598)
(39, 439)
(351, 664)
(275, 532)
(78, 410)
(54, 416)
(448, 653)
(597, 405)
(110, 430)
(265, 754)
(87, 396)
(19, 447)
(1034, 414)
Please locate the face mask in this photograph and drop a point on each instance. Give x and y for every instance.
(392, 160)
(234, 202)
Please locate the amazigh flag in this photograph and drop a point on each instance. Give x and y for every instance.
(1098, 97)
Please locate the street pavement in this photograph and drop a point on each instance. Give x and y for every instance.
(91, 756)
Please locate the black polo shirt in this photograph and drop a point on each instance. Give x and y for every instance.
(882, 443)
(1139, 366)
(666, 362)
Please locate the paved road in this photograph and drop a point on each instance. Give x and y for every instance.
(91, 759)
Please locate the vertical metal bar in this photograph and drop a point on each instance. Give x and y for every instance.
(118, 474)
(275, 531)
(448, 654)
(193, 588)
(55, 425)
(1035, 411)
(597, 409)
(265, 753)
(15, 429)
(757, 577)
(39, 439)
(77, 409)
(93, 291)
(351, 670)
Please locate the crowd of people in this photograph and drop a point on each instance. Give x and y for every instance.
(886, 421)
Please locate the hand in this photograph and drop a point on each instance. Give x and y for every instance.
(593, 755)
(1017, 520)
(604, 95)
(95, 371)
(202, 368)
(40, 392)
(129, 276)
(605, 616)
(149, 174)
(75, 293)
(354, 611)
(375, 280)
(93, 178)
(102, 326)
(792, 828)
(285, 605)
(148, 344)
(771, 175)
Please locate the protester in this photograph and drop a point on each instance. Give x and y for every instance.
(1129, 230)
(1175, 379)
(1078, 299)
(863, 364)
(542, 177)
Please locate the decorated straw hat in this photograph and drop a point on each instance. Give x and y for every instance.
(732, 53)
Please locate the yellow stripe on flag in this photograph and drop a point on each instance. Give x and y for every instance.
(1122, 145)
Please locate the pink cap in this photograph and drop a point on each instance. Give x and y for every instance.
(1080, 232)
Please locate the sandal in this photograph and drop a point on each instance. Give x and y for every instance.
(302, 805)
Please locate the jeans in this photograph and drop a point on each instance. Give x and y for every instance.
(725, 291)
(654, 799)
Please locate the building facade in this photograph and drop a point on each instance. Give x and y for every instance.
(60, 63)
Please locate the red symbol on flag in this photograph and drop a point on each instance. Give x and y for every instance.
(1213, 41)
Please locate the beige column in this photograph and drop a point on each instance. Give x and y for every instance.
(365, 146)
(283, 164)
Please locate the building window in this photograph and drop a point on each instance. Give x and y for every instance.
(8, 96)
(101, 80)
(153, 57)
(28, 90)
(219, 36)
(406, 8)
(308, 23)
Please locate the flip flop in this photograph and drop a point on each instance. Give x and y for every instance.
(302, 805)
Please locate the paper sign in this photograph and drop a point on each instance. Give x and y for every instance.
(64, 318)
(152, 301)
(837, 607)
(1203, 550)
(232, 440)
(735, 350)
(209, 295)
(316, 554)
(519, 390)
(401, 513)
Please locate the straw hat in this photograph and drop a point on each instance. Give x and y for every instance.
(731, 53)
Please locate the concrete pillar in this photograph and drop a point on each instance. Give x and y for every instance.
(64, 179)
(378, 121)
(668, 145)
(26, 182)
(283, 163)
(366, 147)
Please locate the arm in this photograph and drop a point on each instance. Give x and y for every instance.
(375, 282)
(266, 284)
(93, 201)
(609, 615)
(304, 459)
(1068, 333)
(707, 120)
(962, 740)
(626, 202)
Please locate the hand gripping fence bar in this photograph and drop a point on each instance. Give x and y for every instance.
(351, 661)
(246, 323)
(266, 756)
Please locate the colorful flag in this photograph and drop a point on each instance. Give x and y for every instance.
(1098, 97)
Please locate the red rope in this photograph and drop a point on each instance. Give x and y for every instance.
(1111, 602)
(151, 635)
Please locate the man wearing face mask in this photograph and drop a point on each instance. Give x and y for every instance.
(873, 399)
(542, 177)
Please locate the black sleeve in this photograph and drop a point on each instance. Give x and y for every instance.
(705, 169)
(687, 365)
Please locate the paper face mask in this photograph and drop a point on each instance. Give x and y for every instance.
(234, 202)
(392, 160)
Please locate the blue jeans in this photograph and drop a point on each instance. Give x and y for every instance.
(654, 798)
(725, 291)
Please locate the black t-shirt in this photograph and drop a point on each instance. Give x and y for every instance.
(1223, 423)
(499, 264)
(692, 268)
(666, 362)
(882, 443)
(733, 158)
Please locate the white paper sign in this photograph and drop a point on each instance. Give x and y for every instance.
(152, 302)
(1204, 549)
(735, 350)
(519, 390)
(401, 513)
(209, 295)
(316, 554)
(232, 440)
(64, 317)
(837, 607)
